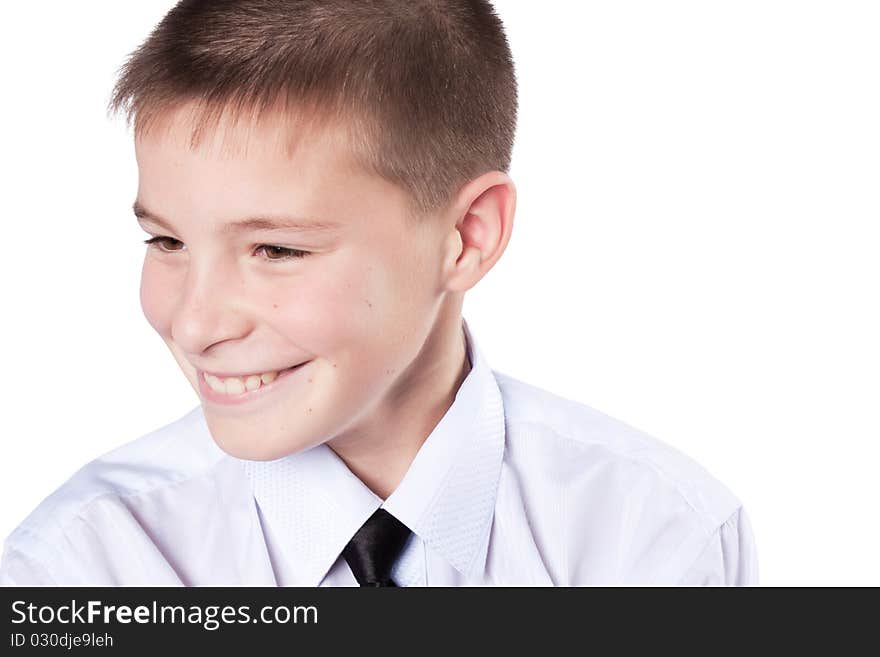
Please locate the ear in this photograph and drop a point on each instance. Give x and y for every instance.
(484, 210)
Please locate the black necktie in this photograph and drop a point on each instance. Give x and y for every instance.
(372, 551)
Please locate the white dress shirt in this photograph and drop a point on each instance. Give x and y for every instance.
(514, 486)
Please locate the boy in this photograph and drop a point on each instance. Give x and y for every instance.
(322, 181)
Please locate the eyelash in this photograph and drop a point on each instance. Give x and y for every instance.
(292, 254)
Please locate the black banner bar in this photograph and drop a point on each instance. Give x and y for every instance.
(128, 621)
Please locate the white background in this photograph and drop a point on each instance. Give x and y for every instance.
(695, 250)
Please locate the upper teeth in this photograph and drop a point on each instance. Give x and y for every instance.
(236, 385)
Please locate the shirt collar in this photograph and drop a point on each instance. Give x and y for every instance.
(314, 504)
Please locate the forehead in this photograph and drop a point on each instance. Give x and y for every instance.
(249, 168)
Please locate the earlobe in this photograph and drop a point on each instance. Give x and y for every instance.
(466, 271)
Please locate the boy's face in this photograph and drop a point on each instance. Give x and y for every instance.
(357, 310)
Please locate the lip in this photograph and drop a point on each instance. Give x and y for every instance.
(208, 393)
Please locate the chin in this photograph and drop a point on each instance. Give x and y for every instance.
(249, 448)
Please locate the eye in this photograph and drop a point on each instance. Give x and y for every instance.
(281, 252)
(158, 240)
(273, 253)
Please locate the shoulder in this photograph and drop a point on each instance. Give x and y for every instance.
(647, 495)
(583, 436)
(162, 458)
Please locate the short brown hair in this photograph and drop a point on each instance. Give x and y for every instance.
(426, 88)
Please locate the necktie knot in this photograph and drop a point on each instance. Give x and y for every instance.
(374, 548)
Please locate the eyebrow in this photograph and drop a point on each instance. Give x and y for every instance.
(262, 223)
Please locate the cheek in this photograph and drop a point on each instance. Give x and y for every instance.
(348, 304)
(156, 298)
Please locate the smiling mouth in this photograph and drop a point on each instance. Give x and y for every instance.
(241, 385)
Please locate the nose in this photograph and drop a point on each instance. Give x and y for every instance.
(208, 309)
